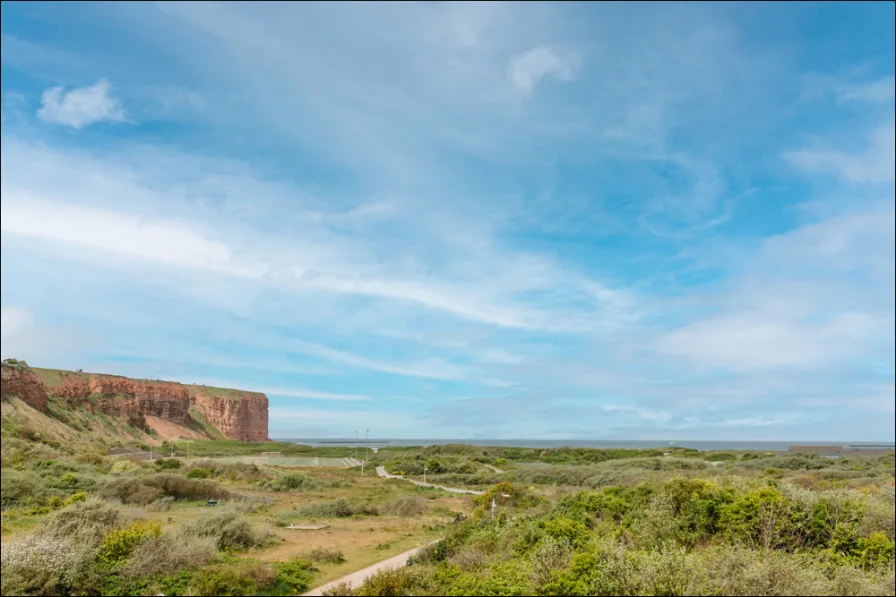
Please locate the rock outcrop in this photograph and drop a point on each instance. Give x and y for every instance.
(129, 398)
(237, 415)
(24, 385)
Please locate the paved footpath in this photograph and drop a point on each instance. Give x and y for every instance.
(355, 579)
(381, 471)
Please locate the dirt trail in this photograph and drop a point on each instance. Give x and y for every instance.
(355, 579)
(381, 471)
(493, 469)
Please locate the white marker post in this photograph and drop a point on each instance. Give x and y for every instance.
(494, 505)
(424, 474)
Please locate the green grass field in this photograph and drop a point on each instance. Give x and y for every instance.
(285, 461)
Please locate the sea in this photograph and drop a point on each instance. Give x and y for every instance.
(702, 445)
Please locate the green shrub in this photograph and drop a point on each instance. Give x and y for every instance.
(295, 482)
(293, 577)
(168, 553)
(168, 463)
(245, 577)
(874, 550)
(142, 491)
(338, 508)
(121, 543)
(230, 531)
(199, 473)
(92, 517)
(567, 530)
(405, 507)
(322, 555)
(20, 488)
(389, 582)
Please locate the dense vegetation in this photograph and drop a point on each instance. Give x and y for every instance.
(680, 536)
(78, 520)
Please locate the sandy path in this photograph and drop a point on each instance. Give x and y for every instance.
(381, 471)
(493, 469)
(355, 579)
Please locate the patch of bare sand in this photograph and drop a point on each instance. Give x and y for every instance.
(170, 430)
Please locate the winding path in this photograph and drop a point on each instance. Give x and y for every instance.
(355, 579)
(381, 471)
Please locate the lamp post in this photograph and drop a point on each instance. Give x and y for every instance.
(424, 474)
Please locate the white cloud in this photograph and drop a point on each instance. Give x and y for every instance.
(759, 341)
(81, 107)
(528, 68)
(112, 233)
(71, 199)
(879, 91)
(876, 164)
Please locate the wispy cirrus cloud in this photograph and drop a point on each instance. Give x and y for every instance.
(481, 218)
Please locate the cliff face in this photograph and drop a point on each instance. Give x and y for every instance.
(237, 415)
(243, 417)
(25, 385)
(129, 398)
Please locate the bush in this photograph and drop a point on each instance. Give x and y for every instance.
(93, 517)
(323, 555)
(391, 581)
(199, 473)
(338, 508)
(229, 530)
(293, 577)
(405, 507)
(168, 553)
(142, 491)
(875, 550)
(295, 482)
(35, 565)
(168, 463)
(162, 505)
(121, 543)
(20, 489)
(234, 471)
(62, 554)
(245, 577)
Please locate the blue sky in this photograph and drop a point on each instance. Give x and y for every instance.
(543, 220)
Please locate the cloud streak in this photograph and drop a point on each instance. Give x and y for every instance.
(471, 219)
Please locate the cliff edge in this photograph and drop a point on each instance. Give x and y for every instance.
(166, 407)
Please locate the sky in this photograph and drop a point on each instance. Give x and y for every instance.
(462, 220)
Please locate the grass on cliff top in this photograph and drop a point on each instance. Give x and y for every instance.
(229, 393)
(53, 378)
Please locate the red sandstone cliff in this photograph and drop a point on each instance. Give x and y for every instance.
(237, 415)
(241, 415)
(123, 397)
(25, 385)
